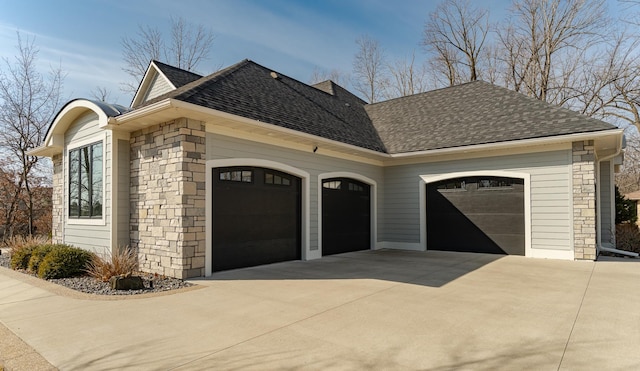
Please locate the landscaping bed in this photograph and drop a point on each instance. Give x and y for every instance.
(152, 283)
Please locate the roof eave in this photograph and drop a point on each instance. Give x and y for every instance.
(145, 83)
(566, 138)
(168, 109)
(45, 151)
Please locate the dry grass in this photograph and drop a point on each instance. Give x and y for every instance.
(123, 261)
(16, 243)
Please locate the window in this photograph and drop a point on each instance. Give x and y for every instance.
(495, 183)
(356, 187)
(245, 176)
(453, 184)
(332, 184)
(271, 178)
(85, 181)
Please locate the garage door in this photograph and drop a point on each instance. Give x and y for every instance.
(256, 217)
(476, 214)
(346, 216)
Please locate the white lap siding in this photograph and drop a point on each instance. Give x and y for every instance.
(94, 237)
(316, 164)
(551, 196)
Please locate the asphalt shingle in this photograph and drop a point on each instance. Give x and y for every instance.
(462, 115)
(177, 76)
(247, 89)
(469, 114)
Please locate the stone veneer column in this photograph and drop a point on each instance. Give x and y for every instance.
(57, 224)
(168, 198)
(584, 201)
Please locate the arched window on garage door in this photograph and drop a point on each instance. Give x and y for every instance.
(476, 214)
(256, 217)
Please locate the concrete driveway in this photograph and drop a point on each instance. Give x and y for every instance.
(365, 310)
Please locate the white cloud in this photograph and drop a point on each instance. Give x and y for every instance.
(85, 66)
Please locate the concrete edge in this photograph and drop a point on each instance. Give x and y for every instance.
(15, 354)
(70, 293)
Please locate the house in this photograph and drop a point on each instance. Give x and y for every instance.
(247, 166)
(635, 197)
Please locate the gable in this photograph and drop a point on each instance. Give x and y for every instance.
(250, 90)
(153, 84)
(160, 79)
(476, 114)
(157, 86)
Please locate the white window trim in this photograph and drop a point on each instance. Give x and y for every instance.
(373, 199)
(81, 143)
(209, 201)
(526, 177)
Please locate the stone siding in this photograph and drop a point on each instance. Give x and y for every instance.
(584, 201)
(57, 223)
(168, 198)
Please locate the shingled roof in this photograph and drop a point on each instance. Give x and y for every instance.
(463, 115)
(469, 114)
(177, 76)
(249, 90)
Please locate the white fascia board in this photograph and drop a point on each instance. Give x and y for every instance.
(510, 144)
(138, 113)
(272, 127)
(145, 83)
(177, 104)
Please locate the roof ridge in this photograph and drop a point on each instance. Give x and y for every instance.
(430, 91)
(218, 75)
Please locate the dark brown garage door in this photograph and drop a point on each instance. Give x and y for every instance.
(346, 216)
(256, 217)
(476, 214)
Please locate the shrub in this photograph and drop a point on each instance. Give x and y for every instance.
(123, 261)
(625, 209)
(21, 248)
(38, 254)
(64, 261)
(628, 237)
(20, 257)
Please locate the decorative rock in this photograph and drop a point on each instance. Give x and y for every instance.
(126, 283)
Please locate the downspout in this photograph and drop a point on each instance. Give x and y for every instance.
(600, 246)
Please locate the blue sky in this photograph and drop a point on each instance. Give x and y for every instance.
(293, 37)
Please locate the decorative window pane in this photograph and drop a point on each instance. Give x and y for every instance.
(454, 184)
(245, 176)
(495, 183)
(277, 179)
(356, 187)
(332, 184)
(85, 181)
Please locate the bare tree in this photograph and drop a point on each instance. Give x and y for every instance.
(187, 46)
(455, 35)
(628, 179)
(544, 32)
(28, 103)
(335, 75)
(406, 77)
(608, 86)
(368, 69)
(101, 93)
